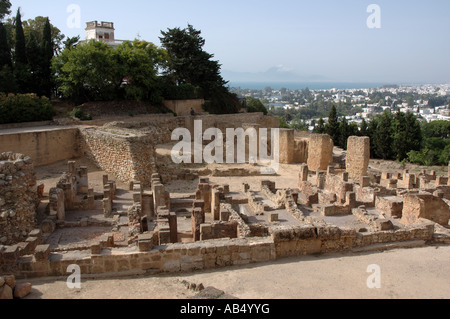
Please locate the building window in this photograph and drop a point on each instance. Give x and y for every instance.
(107, 36)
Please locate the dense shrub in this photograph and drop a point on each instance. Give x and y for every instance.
(18, 108)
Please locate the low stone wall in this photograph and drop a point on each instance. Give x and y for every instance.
(304, 240)
(183, 107)
(173, 258)
(45, 146)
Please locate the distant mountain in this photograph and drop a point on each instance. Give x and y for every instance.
(274, 74)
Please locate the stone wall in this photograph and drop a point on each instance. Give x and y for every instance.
(358, 156)
(45, 146)
(320, 152)
(172, 258)
(127, 157)
(183, 107)
(416, 206)
(18, 197)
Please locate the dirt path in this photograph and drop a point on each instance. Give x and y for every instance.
(416, 273)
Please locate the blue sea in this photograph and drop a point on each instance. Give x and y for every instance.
(303, 85)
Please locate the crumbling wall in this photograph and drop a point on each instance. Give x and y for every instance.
(416, 206)
(18, 197)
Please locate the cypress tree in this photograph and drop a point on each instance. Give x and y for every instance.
(363, 128)
(21, 71)
(320, 127)
(343, 133)
(384, 136)
(332, 128)
(5, 50)
(47, 55)
(20, 55)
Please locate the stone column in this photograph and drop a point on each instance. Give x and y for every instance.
(320, 152)
(215, 204)
(173, 227)
(198, 218)
(83, 183)
(358, 156)
(303, 175)
(287, 146)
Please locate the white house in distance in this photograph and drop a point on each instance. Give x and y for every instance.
(102, 31)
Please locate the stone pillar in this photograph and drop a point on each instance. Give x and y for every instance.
(198, 218)
(350, 200)
(320, 152)
(107, 207)
(345, 177)
(158, 196)
(83, 183)
(57, 203)
(358, 156)
(365, 181)
(173, 227)
(205, 190)
(320, 179)
(72, 167)
(303, 175)
(215, 204)
(287, 146)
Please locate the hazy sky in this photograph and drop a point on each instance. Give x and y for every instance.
(326, 40)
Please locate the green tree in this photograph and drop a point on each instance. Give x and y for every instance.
(407, 135)
(255, 105)
(332, 127)
(5, 49)
(43, 30)
(20, 55)
(139, 61)
(21, 69)
(5, 6)
(320, 127)
(88, 72)
(47, 52)
(344, 133)
(363, 128)
(188, 63)
(383, 136)
(71, 42)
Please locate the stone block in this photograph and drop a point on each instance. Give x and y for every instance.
(48, 226)
(10, 253)
(273, 217)
(164, 236)
(96, 248)
(384, 224)
(22, 290)
(6, 293)
(416, 206)
(42, 252)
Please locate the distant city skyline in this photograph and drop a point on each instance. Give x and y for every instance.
(286, 40)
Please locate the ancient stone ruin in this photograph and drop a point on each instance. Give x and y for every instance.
(147, 214)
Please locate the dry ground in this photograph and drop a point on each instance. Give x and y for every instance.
(416, 273)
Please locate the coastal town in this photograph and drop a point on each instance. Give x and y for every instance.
(427, 102)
